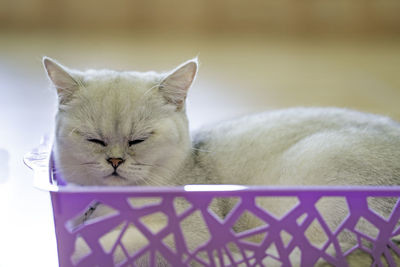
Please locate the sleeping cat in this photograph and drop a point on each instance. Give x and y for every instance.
(130, 128)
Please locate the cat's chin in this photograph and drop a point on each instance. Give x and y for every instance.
(112, 179)
(117, 180)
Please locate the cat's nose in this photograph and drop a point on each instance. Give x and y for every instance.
(115, 162)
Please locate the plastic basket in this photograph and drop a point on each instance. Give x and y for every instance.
(278, 239)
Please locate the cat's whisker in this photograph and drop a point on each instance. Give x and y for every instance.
(201, 150)
(157, 181)
(71, 171)
(72, 131)
(151, 179)
(142, 179)
(141, 164)
(63, 169)
(156, 166)
(90, 163)
(160, 178)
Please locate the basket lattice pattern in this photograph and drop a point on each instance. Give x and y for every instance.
(275, 238)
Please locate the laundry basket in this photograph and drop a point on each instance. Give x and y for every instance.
(279, 238)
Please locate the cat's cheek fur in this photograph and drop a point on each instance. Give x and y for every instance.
(75, 158)
(69, 168)
(167, 150)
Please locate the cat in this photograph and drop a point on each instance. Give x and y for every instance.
(131, 129)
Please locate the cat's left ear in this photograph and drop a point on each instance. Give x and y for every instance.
(61, 78)
(176, 85)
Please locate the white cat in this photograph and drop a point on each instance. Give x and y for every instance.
(130, 128)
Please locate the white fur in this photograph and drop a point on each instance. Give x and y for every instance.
(301, 146)
(304, 146)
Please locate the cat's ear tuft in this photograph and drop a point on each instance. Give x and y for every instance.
(61, 79)
(177, 83)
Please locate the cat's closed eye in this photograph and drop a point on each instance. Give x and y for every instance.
(139, 140)
(135, 142)
(97, 141)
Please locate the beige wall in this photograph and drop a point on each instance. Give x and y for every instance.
(283, 16)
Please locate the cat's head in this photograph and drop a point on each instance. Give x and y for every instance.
(120, 128)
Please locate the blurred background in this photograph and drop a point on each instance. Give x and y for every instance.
(255, 55)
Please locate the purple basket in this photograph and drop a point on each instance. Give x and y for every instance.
(278, 239)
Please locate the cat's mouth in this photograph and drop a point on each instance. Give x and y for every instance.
(115, 174)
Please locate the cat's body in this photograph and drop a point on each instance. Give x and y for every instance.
(129, 128)
(301, 146)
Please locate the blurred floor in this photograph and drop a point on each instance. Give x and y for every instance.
(238, 74)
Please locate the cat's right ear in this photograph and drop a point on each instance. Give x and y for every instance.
(62, 80)
(175, 86)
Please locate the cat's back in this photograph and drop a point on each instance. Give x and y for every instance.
(285, 142)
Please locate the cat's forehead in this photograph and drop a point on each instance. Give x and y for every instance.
(99, 81)
(118, 102)
(111, 92)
